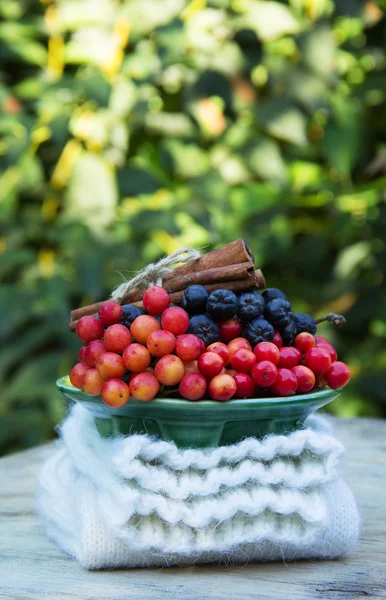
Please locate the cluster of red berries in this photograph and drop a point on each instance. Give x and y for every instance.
(119, 362)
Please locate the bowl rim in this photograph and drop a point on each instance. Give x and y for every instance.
(64, 385)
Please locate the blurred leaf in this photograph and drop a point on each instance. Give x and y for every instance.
(309, 90)
(92, 193)
(319, 50)
(305, 175)
(9, 261)
(33, 379)
(175, 125)
(188, 159)
(13, 309)
(283, 121)
(351, 258)
(253, 199)
(270, 20)
(264, 159)
(29, 342)
(30, 52)
(133, 181)
(343, 135)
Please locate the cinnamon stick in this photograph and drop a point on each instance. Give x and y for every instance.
(216, 274)
(233, 253)
(177, 282)
(254, 280)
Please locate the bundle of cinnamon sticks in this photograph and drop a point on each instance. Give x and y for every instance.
(230, 267)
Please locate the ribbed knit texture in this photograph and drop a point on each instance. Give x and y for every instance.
(138, 501)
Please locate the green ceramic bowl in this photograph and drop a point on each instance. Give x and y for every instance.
(204, 423)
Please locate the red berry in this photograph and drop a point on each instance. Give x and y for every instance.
(136, 358)
(237, 344)
(277, 339)
(220, 349)
(285, 384)
(110, 313)
(160, 343)
(77, 374)
(289, 357)
(305, 378)
(267, 351)
(193, 386)
(169, 370)
(89, 329)
(115, 393)
(245, 385)
(110, 365)
(189, 347)
(93, 382)
(243, 360)
(82, 354)
(222, 387)
(264, 374)
(304, 341)
(320, 340)
(156, 300)
(175, 319)
(230, 329)
(318, 360)
(93, 351)
(330, 349)
(210, 364)
(144, 386)
(338, 375)
(142, 327)
(117, 338)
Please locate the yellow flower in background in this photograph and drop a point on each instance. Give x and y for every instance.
(121, 34)
(46, 262)
(193, 7)
(65, 164)
(165, 241)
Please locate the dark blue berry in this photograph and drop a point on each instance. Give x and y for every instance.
(289, 333)
(222, 305)
(258, 330)
(305, 322)
(273, 293)
(205, 328)
(251, 306)
(194, 299)
(130, 313)
(279, 313)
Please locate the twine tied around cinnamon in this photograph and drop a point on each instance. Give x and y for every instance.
(154, 273)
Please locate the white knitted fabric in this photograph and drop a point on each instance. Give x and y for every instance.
(138, 501)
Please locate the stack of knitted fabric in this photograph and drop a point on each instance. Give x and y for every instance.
(139, 501)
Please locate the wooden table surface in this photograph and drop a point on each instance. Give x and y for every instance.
(32, 567)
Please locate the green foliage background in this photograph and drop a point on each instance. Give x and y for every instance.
(131, 128)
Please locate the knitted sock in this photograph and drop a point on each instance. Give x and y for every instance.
(139, 501)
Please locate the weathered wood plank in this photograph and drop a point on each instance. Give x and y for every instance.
(32, 567)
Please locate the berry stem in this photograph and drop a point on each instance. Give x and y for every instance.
(337, 320)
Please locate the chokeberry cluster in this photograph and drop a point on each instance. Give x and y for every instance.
(217, 345)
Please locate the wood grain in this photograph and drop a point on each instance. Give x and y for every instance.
(34, 568)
